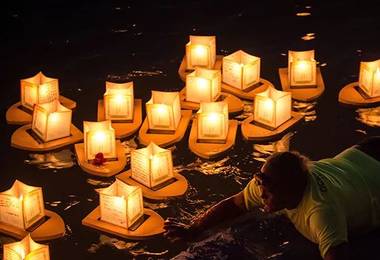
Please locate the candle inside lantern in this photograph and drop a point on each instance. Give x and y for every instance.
(51, 121)
(22, 205)
(119, 101)
(38, 89)
(201, 51)
(121, 204)
(203, 85)
(369, 78)
(163, 111)
(241, 70)
(151, 165)
(99, 137)
(272, 107)
(302, 68)
(26, 249)
(212, 118)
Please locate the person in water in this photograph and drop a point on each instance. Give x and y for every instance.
(326, 200)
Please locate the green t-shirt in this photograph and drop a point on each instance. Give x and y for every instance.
(342, 197)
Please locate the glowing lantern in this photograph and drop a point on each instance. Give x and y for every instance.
(99, 137)
(302, 68)
(203, 85)
(26, 249)
(51, 121)
(241, 70)
(201, 51)
(121, 204)
(38, 90)
(151, 165)
(118, 101)
(212, 121)
(163, 111)
(272, 107)
(369, 78)
(22, 205)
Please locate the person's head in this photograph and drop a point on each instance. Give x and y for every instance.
(282, 180)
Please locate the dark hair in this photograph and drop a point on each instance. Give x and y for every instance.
(288, 165)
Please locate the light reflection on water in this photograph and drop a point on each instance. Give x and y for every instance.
(52, 160)
(135, 74)
(307, 109)
(262, 151)
(369, 116)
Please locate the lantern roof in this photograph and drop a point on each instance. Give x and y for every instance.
(195, 39)
(372, 64)
(205, 73)
(273, 93)
(300, 55)
(19, 188)
(162, 97)
(39, 79)
(101, 125)
(112, 87)
(54, 106)
(208, 107)
(118, 188)
(242, 57)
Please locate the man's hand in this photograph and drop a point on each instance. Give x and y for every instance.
(178, 231)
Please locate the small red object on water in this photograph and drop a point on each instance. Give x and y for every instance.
(99, 159)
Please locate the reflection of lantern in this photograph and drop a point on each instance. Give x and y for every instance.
(272, 107)
(369, 78)
(203, 85)
(163, 111)
(201, 51)
(212, 121)
(51, 121)
(121, 204)
(151, 165)
(302, 68)
(22, 205)
(118, 101)
(38, 90)
(99, 137)
(241, 70)
(26, 249)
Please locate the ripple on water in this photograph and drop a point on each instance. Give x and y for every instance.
(135, 74)
(262, 151)
(307, 109)
(52, 160)
(369, 116)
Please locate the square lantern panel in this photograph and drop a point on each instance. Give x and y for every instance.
(241, 70)
(302, 69)
(51, 121)
(163, 111)
(203, 85)
(121, 204)
(201, 52)
(99, 137)
(26, 249)
(152, 165)
(369, 78)
(272, 107)
(119, 101)
(212, 118)
(22, 205)
(38, 89)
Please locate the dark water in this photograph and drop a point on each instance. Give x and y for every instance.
(85, 43)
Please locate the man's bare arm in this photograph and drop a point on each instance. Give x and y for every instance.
(226, 209)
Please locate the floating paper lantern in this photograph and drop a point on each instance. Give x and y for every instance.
(121, 204)
(203, 85)
(241, 70)
(99, 137)
(201, 51)
(38, 89)
(51, 121)
(212, 118)
(26, 249)
(163, 111)
(369, 78)
(272, 107)
(118, 101)
(22, 205)
(151, 165)
(302, 69)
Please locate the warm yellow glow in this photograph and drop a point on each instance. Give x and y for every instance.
(272, 107)
(202, 84)
(302, 68)
(119, 99)
(119, 202)
(200, 51)
(44, 89)
(100, 136)
(213, 118)
(241, 70)
(54, 117)
(369, 78)
(161, 110)
(377, 75)
(20, 250)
